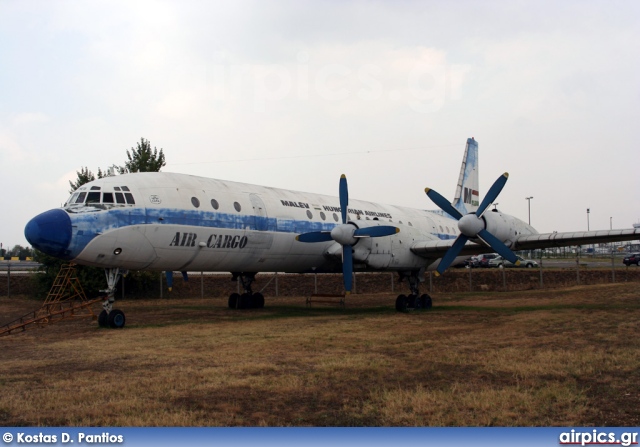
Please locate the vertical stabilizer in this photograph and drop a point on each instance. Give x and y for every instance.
(467, 192)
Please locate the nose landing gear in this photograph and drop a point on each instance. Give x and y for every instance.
(110, 317)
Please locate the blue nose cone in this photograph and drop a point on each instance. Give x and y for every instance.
(50, 232)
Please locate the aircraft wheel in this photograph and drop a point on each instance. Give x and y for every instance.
(529, 266)
(116, 319)
(413, 301)
(258, 300)
(233, 300)
(103, 319)
(426, 302)
(401, 303)
(245, 301)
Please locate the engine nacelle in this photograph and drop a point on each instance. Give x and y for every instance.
(388, 251)
(504, 227)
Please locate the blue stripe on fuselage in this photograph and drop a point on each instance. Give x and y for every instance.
(88, 225)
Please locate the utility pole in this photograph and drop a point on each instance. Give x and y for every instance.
(528, 199)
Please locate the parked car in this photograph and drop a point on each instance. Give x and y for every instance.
(472, 262)
(483, 260)
(499, 261)
(633, 258)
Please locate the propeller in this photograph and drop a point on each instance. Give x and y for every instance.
(472, 225)
(347, 235)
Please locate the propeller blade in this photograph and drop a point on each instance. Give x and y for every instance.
(347, 268)
(451, 254)
(498, 246)
(383, 230)
(443, 203)
(344, 197)
(314, 236)
(492, 194)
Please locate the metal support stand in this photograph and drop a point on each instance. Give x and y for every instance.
(578, 266)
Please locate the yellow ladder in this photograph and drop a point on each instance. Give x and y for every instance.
(65, 299)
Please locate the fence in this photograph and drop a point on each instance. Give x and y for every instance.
(454, 280)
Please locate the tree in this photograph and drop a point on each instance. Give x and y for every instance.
(20, 252)
(84, 176)
(142, 159)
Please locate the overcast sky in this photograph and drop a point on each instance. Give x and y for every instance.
(292, 94)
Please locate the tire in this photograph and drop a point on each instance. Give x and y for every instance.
(245, 301)
(116, 319)
(426, 302)
(258, 300)
(412, 301)
(401, 303)
(103, 319)
(529, 266)
(233, 300)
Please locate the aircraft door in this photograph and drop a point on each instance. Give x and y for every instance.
(260, 212)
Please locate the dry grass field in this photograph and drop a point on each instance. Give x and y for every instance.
(566, 357)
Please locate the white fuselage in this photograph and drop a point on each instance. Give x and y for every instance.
(183, 222)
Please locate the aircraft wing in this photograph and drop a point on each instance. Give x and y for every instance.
(542, 240)
(545, 240)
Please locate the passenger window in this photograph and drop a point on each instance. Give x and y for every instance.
(93, 197)
(81, 197)
(195, 202)
(120, 198)
(129, 197)
(107, 197)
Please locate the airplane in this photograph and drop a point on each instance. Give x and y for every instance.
(160, 221)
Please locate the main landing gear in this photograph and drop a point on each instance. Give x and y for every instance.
(110, 317)
(247, 300)
(414, 301)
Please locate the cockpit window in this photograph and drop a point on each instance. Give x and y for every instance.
(72, 199)
(125, 188)
(117, 188)
(95, 188)
(97, 197)
(93, 197)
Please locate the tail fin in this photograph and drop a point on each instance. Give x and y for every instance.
(467, 193)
